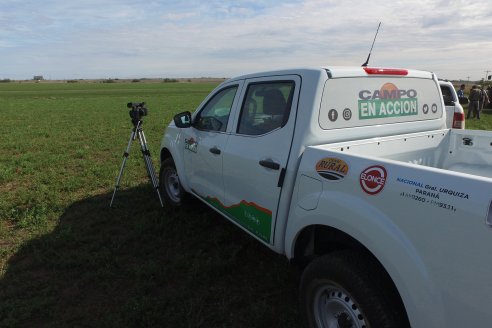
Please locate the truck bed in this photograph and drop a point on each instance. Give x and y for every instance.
(464, 151)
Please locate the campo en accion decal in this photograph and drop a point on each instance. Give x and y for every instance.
(389, 101)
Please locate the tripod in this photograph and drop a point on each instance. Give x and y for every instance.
(137, 132)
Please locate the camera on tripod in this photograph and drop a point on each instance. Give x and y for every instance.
(137, 110)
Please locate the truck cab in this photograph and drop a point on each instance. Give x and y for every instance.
(239, 150)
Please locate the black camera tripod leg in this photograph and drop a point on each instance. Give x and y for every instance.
(149, 165)
(125, 157)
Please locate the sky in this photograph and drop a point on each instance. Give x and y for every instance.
(86, 39)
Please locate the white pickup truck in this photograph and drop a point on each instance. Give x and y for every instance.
(351, 173)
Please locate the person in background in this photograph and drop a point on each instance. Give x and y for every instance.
(484, 99)
(461, 91)
(473, 106)
(489, 94)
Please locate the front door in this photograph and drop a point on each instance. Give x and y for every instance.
(205, 143)
(257, 151)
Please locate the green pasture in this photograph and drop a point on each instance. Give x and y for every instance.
(67, 260)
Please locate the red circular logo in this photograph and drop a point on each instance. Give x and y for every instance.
(373, 179)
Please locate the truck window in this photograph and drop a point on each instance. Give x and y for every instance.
(266, 107)
(356, 102)
(447, 96)
(215, 114)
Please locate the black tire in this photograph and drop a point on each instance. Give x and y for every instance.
(349, 289)
(172, 192)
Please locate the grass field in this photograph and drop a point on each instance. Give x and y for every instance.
(67, 260)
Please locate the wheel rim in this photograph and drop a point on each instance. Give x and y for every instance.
(335, 308)
(173, 187)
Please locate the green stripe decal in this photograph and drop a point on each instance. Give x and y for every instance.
(249, 215)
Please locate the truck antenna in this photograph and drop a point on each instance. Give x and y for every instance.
(369, 56)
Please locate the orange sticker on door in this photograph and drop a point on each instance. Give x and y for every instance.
(333, 169)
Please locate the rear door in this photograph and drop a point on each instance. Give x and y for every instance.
(257, 152)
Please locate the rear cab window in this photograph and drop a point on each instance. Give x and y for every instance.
(364, 101)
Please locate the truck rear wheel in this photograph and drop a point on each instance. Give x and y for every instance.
(347, 289)
(172, 192)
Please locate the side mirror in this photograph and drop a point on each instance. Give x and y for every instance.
(463, 100)
(182, 120)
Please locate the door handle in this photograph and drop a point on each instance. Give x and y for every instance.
(215, 150)
(270, 164)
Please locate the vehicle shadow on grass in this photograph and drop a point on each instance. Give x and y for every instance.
(140, 265)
